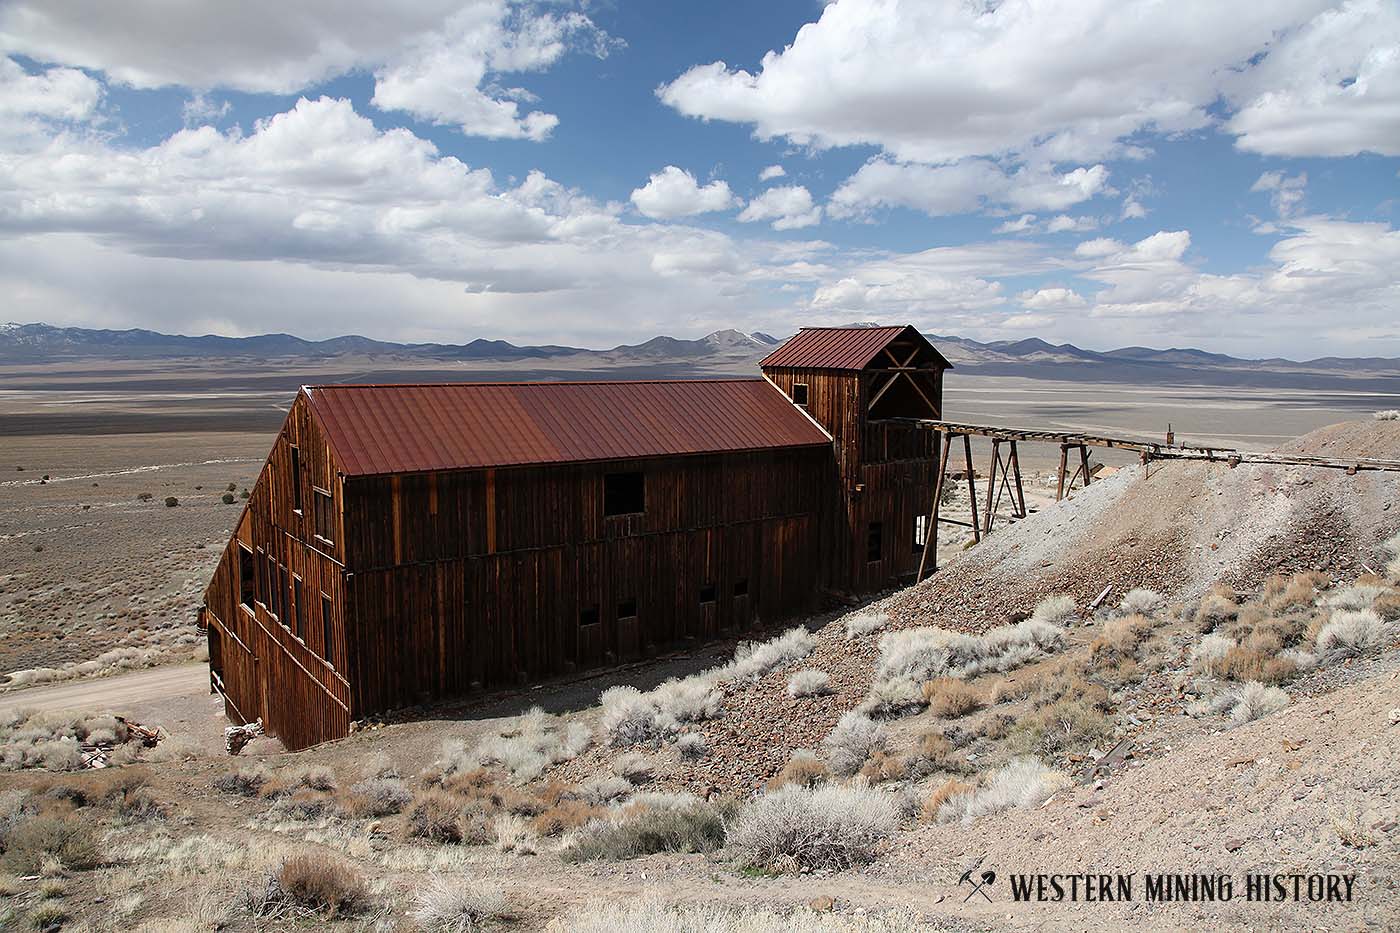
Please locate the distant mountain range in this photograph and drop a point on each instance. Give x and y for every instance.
(723, 350)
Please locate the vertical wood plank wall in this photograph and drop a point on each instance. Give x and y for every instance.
(892, 465)
(275, 667)
(481, 578)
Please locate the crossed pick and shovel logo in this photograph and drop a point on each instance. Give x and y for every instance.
(978, 880)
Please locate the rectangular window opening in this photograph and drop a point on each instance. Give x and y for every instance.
(624, 494)
(741, 586)
(327, 630)
(707, 593)
(247, 585)
(296, 478)
(587, 616)
(873, 543)
(627, 609)
(799, 393)
(920, 532)
(298, 609)
(325, 515)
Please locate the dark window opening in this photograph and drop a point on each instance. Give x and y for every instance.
(920, 532)
(627, 609)
(873, 542)
(707, 593)
(327, 630)
(588, 616)
(247, 585)
(298, 609)
(296, 478)
(216, 655)
(624, 493)
(325, 516)
(273, 602)
(799, 393)
(741, 586)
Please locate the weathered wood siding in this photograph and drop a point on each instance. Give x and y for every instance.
(886, 474)
(483, 578)
(283, 659)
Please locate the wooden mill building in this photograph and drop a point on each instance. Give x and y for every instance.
(405, 543)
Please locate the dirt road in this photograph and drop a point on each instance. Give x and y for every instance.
(139, 688)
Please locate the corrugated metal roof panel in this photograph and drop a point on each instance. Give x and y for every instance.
(840, 347)
(379, 429)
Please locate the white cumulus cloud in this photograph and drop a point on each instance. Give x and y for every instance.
(789, 208)
(673, 192)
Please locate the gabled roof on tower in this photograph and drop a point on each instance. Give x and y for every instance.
(849, 348)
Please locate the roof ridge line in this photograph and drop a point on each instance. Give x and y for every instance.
(526, 382)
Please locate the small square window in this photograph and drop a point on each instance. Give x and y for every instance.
(707, 593)
(799, 393)
(741, 586)
(873, 542)
(588, 616)
(627, 609)
(624, 493)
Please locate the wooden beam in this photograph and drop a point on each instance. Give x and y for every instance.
(971, 487)
(931, 531)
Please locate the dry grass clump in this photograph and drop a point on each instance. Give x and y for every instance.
(884, 767)
(1120, 639)
(1220, 605)
(631, 717)
(933, 752)
(566, 815)
(861, 624)
(633, 767)
(1243, 703)
(853, 739)
(437, 817)
(648, 824)
(647, 915)
(377, 797)
(1258, 656)
(808, 683)
(1021, 782)
(245, 782)
(796, 828)
(935, 801)
(692, 745)
(315, 777)
(1350, 634)
(996, 727)
(803, 769)
(950, 698)
(53, 836)
(1068, 717)
(524, 747)
(458, 905)
(308, 884)
(1285, 594)
(130, 797)
(1141, 601)
(910, 657)
(602, 789)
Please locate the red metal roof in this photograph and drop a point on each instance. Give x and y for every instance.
(840, 347)
(378, 429)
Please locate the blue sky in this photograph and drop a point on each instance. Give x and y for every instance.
(1102, 173)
